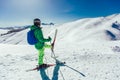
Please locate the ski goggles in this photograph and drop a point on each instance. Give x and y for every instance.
(37, 21)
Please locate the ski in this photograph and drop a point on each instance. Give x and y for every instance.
(45, 67)
(52, 49)
(53, 43)
(40, 67)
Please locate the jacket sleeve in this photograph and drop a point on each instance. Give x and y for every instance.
(39, 36)
(43, 40)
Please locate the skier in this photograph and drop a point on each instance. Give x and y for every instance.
(40, 45)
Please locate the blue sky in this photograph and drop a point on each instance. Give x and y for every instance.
(22, 12)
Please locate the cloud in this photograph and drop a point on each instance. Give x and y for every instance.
(26, 5)
(14, 12)
(23, 5)
(20, 8)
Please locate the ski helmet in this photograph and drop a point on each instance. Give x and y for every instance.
(37, 22)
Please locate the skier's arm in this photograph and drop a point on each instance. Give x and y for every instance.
(45, 40)
(40, 37)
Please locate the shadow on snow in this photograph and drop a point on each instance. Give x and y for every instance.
(44, 76)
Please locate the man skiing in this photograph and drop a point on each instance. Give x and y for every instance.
(40, 45)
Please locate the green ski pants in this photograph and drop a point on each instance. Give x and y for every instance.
(41, 53)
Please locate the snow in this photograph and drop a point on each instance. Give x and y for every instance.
(82, 44)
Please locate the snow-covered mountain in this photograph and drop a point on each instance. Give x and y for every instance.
(100, 28)
(89, 45)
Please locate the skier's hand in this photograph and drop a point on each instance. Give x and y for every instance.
(49, 38)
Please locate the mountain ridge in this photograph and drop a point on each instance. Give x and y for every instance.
(99, 28)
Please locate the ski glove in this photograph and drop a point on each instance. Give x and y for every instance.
(49, 38)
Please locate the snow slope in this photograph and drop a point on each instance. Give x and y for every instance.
(83, 44)
(77, 31)
(16, 59)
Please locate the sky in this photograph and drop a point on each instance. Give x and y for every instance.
(22, 12)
